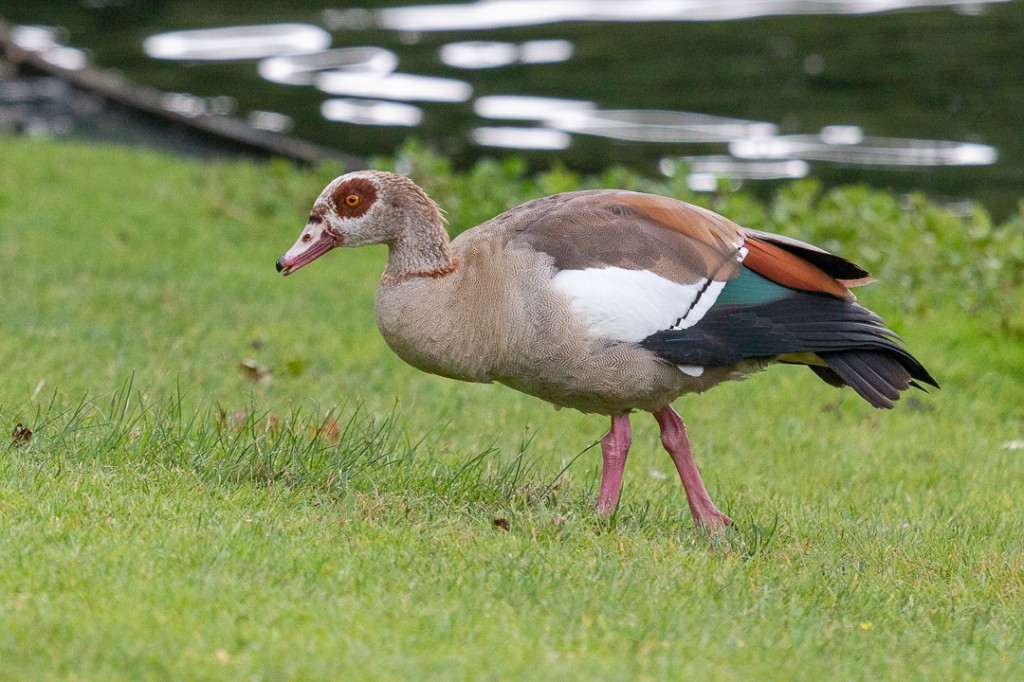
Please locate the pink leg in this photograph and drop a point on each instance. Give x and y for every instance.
(673, 437)
(614, 448)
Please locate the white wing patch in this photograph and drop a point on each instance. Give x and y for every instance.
(630, 305)
(701, 306)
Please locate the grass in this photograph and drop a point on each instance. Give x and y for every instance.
(229, 476)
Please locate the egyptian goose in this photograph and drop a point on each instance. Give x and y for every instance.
(607, 301)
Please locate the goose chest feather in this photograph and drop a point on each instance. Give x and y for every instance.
(608, 301)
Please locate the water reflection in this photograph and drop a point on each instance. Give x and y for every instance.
(371, 112)
(366, 79)
(363, 86)
(478, 54)
(522, 138)
(272, 121)
(398, 86)
(493, 14)
(707, 172)
(192, 106)
(848, 145)
(636, 125)
(44, 41)
(301, 69)
(521, 108)
(237, 42)
(367, 89)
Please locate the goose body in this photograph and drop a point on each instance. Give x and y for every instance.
(607, 301)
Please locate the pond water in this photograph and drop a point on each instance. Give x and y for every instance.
(907, 94)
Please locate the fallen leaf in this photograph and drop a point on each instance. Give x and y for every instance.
(21, 435)
(328, 430)
(254, 372)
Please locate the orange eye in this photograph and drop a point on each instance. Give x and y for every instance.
(352, 200)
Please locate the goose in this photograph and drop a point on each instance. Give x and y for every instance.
(609, 302)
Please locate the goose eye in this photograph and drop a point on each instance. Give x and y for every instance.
(352, 200)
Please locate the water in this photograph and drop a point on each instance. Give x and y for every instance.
(907, 94)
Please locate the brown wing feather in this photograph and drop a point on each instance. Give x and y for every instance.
(785, 268)
(849, 274)
(676, 240)
(630, 230)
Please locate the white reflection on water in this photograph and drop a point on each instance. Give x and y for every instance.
(491, 14)
(848, 145)
(34, 38)
(479, 54)
(637, 125)
(400, 86)
(43, 41)
(192, 105)
(273, 121)
(545, 51)
(371, 112)
(301, 69)
(707, 171)
(522, 138)
(521, 108)
(237, 42)
(296, 54)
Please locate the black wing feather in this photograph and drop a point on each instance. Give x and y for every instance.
(858, 348)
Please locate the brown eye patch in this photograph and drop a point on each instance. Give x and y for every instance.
(354, 197)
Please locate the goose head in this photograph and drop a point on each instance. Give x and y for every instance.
(360, 208)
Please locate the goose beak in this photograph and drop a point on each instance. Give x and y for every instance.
(314, 242)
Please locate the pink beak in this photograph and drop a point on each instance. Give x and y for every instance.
(307, 249)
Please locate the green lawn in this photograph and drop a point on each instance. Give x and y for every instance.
(230, 476)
